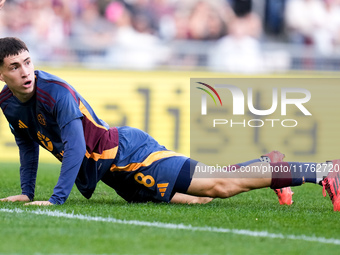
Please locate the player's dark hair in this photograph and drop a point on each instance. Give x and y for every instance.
(11, 46)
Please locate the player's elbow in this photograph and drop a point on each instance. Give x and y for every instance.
(83, 149)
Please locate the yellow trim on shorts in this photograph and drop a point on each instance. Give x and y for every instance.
(107, 154)
(147, 162)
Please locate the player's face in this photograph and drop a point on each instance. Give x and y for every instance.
(18, 73)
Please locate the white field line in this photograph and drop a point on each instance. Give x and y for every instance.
(243, 232)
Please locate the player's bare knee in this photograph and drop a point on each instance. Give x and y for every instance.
(220, 191)
(228, 189)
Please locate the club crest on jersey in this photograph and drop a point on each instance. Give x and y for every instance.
(46, 142)
(41, 119)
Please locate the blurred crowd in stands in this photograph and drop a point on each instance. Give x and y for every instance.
(143, 33)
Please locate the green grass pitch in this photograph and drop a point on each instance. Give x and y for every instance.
(250, 223)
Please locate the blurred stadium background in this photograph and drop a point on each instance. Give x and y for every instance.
(132, 59)
(247, 36)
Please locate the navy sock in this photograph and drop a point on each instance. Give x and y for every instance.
(303, 172)
(286, 174)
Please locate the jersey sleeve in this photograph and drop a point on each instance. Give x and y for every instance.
(67, 109)
(29, 158)
(74, 150)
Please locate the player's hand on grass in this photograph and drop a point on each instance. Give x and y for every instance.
(44, 203)
(17, 198)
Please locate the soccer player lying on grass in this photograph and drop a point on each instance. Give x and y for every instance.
(44, 110)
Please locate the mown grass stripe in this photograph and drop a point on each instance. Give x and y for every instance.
(244, 232)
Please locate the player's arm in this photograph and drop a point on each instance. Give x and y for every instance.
(29, 157)
(74, 150)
